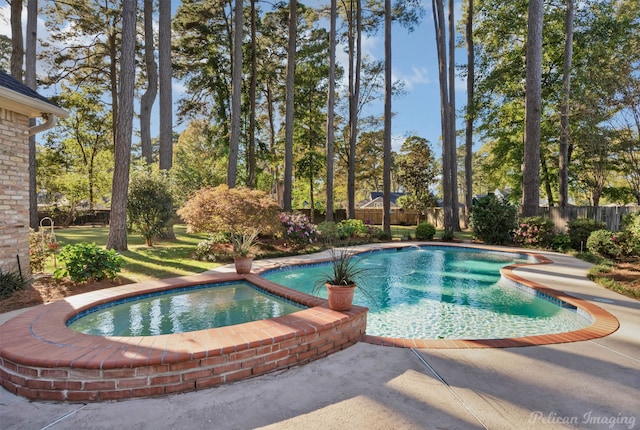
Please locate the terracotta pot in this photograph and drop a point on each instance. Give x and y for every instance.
(340, 296)
(243, 264)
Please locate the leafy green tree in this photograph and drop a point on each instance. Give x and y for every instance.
(150, 206)
(417, 172)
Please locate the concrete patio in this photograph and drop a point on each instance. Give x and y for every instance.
(593, 384)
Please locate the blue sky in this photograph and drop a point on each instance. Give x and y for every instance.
(414, 61)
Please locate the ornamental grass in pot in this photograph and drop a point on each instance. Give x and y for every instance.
(343, 279)
(243, 248)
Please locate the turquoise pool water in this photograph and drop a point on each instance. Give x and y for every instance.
(442, 292)
(182, 310)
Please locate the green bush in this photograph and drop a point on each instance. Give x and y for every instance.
(580, 229)
(493, 219)
(84, 261)
(617, 246)
(328, 231)
(150, 206)
(350, 228)
(425, 231)
(10, 282)
(631, 223)
(561, 242)
(534, 232)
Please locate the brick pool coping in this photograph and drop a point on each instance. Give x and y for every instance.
(42, 359)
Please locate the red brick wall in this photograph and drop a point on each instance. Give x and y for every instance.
(14, 190)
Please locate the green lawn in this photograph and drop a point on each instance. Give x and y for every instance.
(172, 258)
(165, 259)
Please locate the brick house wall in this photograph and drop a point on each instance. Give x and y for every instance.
(14, 190)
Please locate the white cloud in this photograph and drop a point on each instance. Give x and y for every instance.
(418, 75)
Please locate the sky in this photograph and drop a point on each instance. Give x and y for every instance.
(414, 61)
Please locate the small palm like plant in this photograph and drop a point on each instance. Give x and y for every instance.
(244, 243)
(345, 269)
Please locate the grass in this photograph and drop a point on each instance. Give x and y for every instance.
(170, 258)
(399, 232)
(166, 259)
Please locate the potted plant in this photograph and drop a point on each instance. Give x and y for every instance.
(341, 282)
(243, 247)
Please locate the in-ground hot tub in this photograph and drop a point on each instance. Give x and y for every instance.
(42, 359)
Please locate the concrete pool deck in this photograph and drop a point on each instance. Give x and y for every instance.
(589, 384)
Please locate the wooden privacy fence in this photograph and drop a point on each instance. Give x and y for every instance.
(610, 215)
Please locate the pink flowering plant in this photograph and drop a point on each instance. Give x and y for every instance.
(534, 232)
(297, 228)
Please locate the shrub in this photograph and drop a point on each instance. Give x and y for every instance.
(10, 282)
(42, 244)
(209, 249)
(534, 232)
(561, 242)
(631, 223)
(619, 245)
(328, 231)
(493, 220)
(384, 237)
(580, 229)
(350, 228)
(425, 231)
(371, 230)
(297, 228)
(234, 210)
(84, 261)
(150, 206)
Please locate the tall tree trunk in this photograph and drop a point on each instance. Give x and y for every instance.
(30, 81)
(563, 174)
(113, 76)
(147, 99)
(288, 139)
(447, 185)
(353, 115)
(468, 158)
(251, 147)
(166, 91)
(236, 95)
(118, 223)
(453, 153)
(533, 103)
(386, 168)
(331, 109)
(17, 40)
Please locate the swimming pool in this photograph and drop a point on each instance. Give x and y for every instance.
(440, 292)
(182, 310)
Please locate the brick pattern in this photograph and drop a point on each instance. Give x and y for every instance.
(41, 359)
(14, 190)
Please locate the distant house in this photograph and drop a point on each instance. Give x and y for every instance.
(375, 202)
(18, 103)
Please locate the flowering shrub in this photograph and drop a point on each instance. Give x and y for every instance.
(42, 244)
(534, 232)
(297, 228)
(619, 245)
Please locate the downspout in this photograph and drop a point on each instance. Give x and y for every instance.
(50, 122)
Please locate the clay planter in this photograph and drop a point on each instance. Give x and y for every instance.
(243, 264)
(340, 296)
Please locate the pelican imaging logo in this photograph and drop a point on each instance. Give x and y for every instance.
(588, 418)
